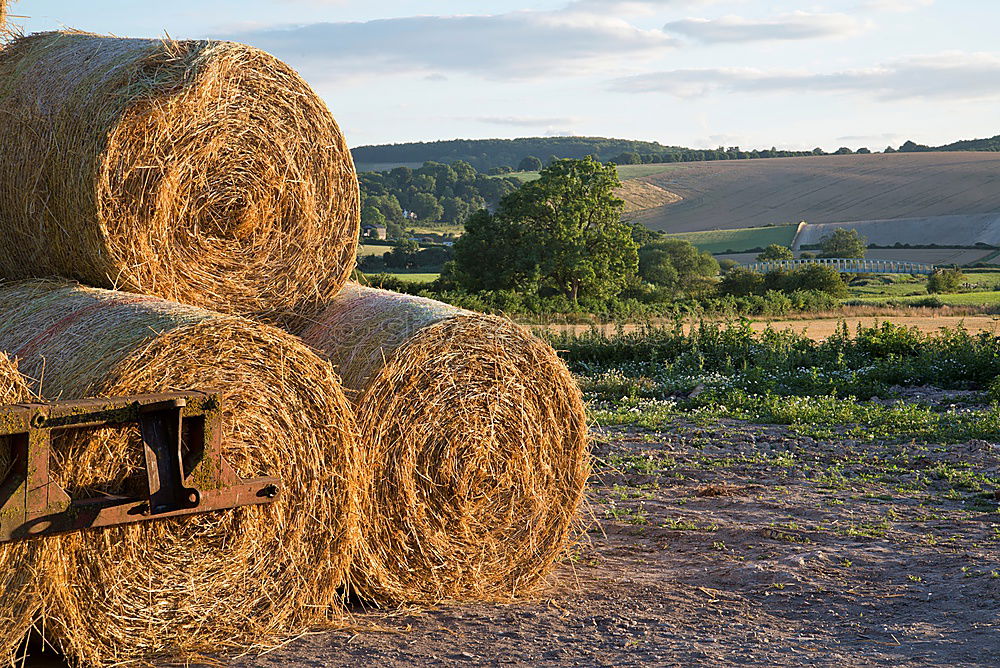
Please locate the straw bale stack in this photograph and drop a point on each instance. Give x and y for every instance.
(477, 435)
(203, 172)
(206, 582)
(19, 601)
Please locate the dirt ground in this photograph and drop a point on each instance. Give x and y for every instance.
(737, 544)
(821, 328)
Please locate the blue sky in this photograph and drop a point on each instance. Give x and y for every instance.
(699, 73)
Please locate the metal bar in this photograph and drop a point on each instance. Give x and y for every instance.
(185, 470)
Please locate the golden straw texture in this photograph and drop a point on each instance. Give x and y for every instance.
(204, 583)
(19, 600)
(203, 172)
(477, 435)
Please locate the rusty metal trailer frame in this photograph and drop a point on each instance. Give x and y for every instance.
(185, 471)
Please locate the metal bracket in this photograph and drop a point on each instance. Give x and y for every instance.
(186, 473)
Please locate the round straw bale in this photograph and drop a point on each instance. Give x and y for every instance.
(203, 172)
(477, 435)
(19, 602)
(201, 583)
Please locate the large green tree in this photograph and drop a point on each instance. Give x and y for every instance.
(494, 253)
(843, 243)
(775, 252)
(562, 232)
(945, 281)
(426, 207)
(741, 282)
(678, 266)
(529, 164)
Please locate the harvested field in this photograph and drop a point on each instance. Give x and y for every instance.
(967, 230)
(175, 588)
(131, 164)
(639, 196)
(826, 189)
(477, 436)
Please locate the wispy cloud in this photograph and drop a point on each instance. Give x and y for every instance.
(946, 76)
(799, 25)
(515, 45)
(639, 6)
(526, 121)
(895, 5)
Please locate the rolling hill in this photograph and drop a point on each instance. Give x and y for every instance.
(827, 189)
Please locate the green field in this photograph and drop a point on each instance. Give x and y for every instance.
(438, 229)
(722, 241)
(626, 172)
(983, 277)
(907, 289)
(991, 298)
(373, 249)
(416, 278)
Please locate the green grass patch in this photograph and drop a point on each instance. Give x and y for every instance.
(373, 249)
(416, 277)
(736, 241)
(437, 229)
(626, 172)
(986, 298)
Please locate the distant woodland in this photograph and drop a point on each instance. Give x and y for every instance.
(499, 156)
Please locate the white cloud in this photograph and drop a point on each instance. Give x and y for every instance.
(515, 45)
(798, 25)
(895, 5)
(951, 75)
(882, 138)
(639, 6)
(526, 121)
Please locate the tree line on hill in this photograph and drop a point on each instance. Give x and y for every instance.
(505, 155)
(990, 144)
(532, 163)
(486, 154)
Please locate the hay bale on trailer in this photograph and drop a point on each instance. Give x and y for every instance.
(20, 605)
(477, 435)
(203, 172)
(205, 582)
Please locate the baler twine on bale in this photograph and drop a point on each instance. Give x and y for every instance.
(169, 589)
(198, 171)
(19, 600)
(477, 435)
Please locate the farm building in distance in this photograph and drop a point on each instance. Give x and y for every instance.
(374, 232)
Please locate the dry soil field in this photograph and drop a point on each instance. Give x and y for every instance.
(825, 189)
(735, 544)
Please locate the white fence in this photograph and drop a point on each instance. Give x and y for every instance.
(846, 266)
